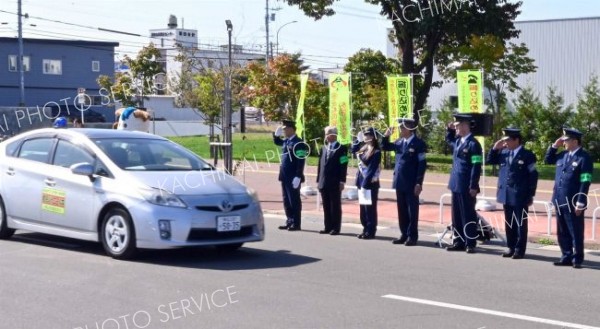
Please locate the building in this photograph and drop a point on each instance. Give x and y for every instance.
(54, 71)
(566, 53)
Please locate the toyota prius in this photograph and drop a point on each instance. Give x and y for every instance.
(127, 190)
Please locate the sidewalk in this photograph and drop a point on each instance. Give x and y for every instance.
(263, 178)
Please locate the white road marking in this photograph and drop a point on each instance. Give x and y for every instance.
(490, 312)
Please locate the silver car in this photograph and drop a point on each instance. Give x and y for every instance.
(126, 189)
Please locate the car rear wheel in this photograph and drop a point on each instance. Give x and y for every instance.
(118, 234)
(229, 247)
(5, 232)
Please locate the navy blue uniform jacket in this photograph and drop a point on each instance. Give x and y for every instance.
(410, 163)
(572, 180)
(466, 163)
(517, 182)
(293, 155)
(367, 176)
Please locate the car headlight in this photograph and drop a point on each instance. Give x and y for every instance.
(253, 194)
(162, 198)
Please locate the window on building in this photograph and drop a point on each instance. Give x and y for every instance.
(52, 66)
(96, 66)
(12, 63)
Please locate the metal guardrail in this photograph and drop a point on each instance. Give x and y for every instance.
(594, 218)
(546, 204)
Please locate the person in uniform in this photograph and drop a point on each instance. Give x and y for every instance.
(572, 180)
(517, 183)
(291, 172)
(331, 178)
(464, 182)
(409, 172)
(367, 150)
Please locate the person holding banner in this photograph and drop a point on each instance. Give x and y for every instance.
(331, 178)
(574, 169)
(291, 172)
(409, 173)
(517, 183)
(366, 148)
(467, 159)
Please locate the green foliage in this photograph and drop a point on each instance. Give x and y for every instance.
(369, 84)
(316, 112)
(587, 118)
(275, 89)
(130, 88)
(436, 140)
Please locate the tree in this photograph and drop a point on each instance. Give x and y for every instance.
(549, 122)
(420, 30)
(130, 88)
(587, 117)
(274, 90)
(369, 85)
(527, 106)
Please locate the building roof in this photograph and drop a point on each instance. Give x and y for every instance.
(63, 42)
(558, 20)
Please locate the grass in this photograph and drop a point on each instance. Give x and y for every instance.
(546, 242)
(259, 146)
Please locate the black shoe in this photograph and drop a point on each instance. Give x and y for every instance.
(334, 232)
(361, 236)
(509, 253)
(368, 237)
(294, 228)
(518, 256)
(455, 248)
(470, 250)
(561, 263)
(410, 242)
(400, 240)
(324, 232)
(577, 265)
(284, 227)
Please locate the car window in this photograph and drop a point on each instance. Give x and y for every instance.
(68, 154)
(150, 155)
(12, 148)
(36, 149)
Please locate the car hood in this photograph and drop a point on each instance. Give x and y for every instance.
(191, 182)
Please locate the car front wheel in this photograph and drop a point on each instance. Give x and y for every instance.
(5, 232)
(118, 234)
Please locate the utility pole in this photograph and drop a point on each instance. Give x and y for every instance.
(267, 30)
(228, 158)
(20, 57)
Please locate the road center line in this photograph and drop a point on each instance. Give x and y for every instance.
(490, 312)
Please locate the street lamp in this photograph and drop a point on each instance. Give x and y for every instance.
(228, 158)
(279, 29)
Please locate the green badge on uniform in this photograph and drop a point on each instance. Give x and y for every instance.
(343, 159)
(585, 177)
(475, 159)
(300, 153)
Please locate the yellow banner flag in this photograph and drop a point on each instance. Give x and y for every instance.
(340, 111)
(470, 91)
(400, 102)
(300, 110)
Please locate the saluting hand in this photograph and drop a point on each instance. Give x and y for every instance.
(499, 145)
(389, 132)
(558, 143)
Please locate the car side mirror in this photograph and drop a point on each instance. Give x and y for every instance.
(84, 169)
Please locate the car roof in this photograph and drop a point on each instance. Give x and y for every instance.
(97, 133)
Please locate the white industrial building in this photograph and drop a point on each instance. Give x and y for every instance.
(566, 53)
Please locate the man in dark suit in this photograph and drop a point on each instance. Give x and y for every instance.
(331, 178)
(409, 173)
(517, 183)
(574, 169)
(464, 182)
(291, 172)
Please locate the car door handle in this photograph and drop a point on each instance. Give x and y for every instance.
(10, 171)
(49, 182)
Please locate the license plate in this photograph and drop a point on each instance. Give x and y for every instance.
(228, 223)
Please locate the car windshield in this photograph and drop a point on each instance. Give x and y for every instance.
(150, 155)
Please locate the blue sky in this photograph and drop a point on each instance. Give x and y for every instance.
(324, 43)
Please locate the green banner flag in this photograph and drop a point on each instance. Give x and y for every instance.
(470, 91)
(400, 102)
(340, 111)
(300, 110)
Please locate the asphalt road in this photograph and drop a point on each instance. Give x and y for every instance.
(292, 280)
